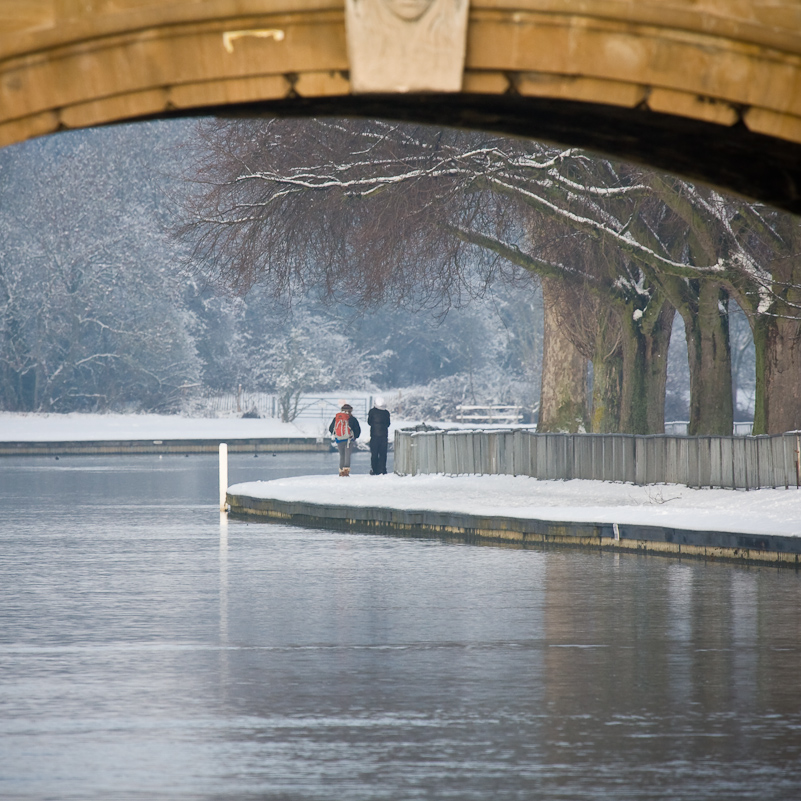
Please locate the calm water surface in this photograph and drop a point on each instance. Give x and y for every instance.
(150, 650)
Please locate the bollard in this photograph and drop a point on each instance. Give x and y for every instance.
(223, 474)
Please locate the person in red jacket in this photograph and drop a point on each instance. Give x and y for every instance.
(345, 430)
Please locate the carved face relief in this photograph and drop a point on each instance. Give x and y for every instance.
(406, 45)
(408, 10)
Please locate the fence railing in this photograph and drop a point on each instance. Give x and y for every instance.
(267, 405)
(489, 414)
(728, 462)
(326, 407)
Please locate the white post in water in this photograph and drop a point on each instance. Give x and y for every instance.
(223, 473)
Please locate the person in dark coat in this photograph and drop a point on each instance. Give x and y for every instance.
(378, 420)
(346, 430)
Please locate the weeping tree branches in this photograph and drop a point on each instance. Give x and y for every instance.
(364, 212)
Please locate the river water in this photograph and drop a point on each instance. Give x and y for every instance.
(151, 650)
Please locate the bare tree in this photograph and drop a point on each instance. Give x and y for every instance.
(382, 212)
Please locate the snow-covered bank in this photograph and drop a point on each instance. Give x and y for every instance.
(79, 427)
(766, 511)
(95, 427)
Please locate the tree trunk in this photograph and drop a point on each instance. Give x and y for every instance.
(563, 394)
(645, 352)
(777, 341)
(607, 385)
(607, 377)
(709, 355)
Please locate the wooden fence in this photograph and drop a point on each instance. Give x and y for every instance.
(729, 462)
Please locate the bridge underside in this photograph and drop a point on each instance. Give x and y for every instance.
(710, 89)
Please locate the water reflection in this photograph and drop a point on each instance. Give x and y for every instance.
(223, 579)
(224, 667)
(148, 649)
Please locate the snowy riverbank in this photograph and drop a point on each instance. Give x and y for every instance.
(767, 511)
(97, 427)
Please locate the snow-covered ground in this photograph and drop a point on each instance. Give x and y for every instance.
(83, 427)
(766, 511)
(94, 427)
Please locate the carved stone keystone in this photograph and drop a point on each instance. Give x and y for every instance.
(406, 45)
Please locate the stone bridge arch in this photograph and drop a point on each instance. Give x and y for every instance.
(707, 88)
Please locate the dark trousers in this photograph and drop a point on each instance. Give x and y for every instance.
(378, 455)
